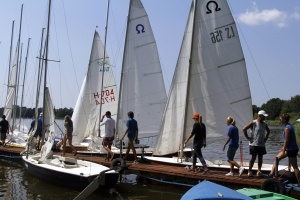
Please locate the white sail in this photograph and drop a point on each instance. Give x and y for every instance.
(210, 78)
(87, 109)
(48, 118)
(12, 85)
(142, 88)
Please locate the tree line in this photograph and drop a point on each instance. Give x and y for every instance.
(274, 107)
(60, 113)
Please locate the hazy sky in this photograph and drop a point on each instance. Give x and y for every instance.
(269, 32)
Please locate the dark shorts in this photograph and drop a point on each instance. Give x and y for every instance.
(231, 152)
(107, 141)
(292, 153)
(255, 150)
(3, 136)
(36, 134)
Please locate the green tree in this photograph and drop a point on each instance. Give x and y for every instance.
(273, 108)
(286, 107)
(255, 109)
(295, 104)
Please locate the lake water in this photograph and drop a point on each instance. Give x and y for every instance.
(16, 183)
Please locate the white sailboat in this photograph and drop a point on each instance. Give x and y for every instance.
(142, 88)
(70, 172)
(87, 114)
(19, 135)
(210, 78)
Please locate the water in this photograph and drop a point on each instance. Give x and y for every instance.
(273, 146)
(17, 183)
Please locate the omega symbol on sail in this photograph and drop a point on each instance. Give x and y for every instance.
(216, 7)
(140, 28)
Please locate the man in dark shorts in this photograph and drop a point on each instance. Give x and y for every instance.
(4, 126)
(109, 135)
(259, 135)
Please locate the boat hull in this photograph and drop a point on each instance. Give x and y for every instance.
(210, 190)
(68, 175)
(262, 194)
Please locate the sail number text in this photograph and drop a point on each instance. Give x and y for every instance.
(106, 96)
(219, 34)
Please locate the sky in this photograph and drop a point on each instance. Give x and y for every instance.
(269, 31)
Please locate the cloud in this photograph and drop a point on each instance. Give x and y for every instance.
(256, 17)
(296, 15)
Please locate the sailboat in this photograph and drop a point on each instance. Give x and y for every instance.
(141, 68)
(66, 171)
(142, 88)
(87, 114)
(70, 172)
(19, 135)
(210, 78)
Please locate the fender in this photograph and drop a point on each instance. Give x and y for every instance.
(118, 164)
(274, 185)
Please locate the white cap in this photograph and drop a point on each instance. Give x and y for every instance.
(262, 112)
(41, 114)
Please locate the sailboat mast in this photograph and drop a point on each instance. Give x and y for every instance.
(39, 81)
(17, 67)
(103, 65)
(46, 66)
(121, 80)
(24, 81)
(10, 52)
(188, 81)
(19, 73)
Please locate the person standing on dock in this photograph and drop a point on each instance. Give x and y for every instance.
(4, 126)
(38, 132)
(259, 135)
(109, 135)
(32, 124)
(68, 123)
(233, 145)
(290, 148)
(199, 131)
(132, 132)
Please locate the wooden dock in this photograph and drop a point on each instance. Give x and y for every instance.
(161, 172)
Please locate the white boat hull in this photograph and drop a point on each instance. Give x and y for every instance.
(69, 172)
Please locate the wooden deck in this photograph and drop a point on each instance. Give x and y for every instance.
(161, 172)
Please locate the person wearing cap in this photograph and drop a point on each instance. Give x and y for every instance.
(259, 135)
(4, 129)
(38, 132)
(233, 145)
(199, 131)
(109, 134)
(290, 148)
(132, 132)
